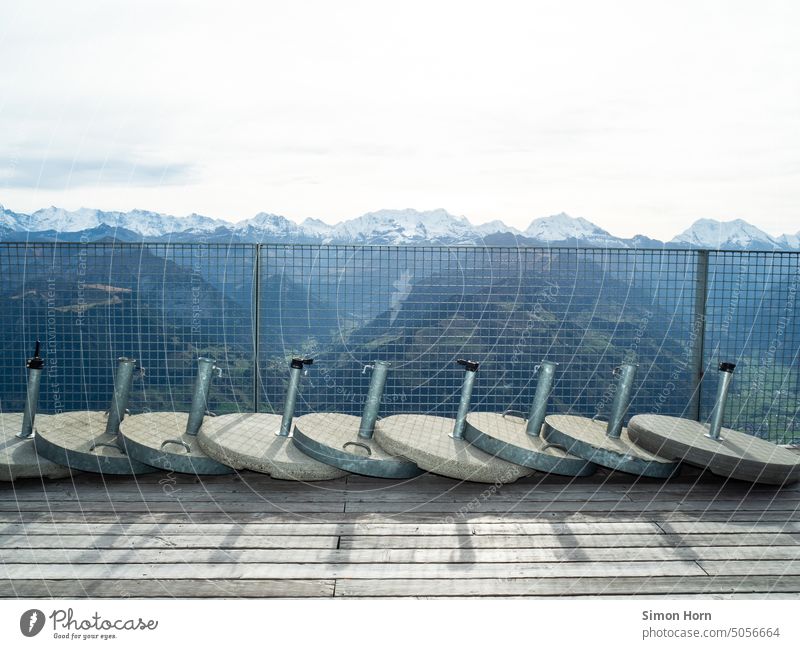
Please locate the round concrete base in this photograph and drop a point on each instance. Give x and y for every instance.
(18, 457)
(251, 441)
(505, 437)
(587, 439)
(735, 455)
(158, 439)
(333, 439)
(78, 440)
(428, 441)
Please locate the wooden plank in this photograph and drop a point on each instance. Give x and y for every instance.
(168, 507)
(709, 596)
(140, 542)
(493, 506)
(393, 528)
(464, 555)
(258, 482)
(476, 541)
(690, 478)
(397, 494)
(567, 540)
(332, 529)
(747, 568)
(184, 588)
(401, 517)
(89, 508)
(705, 527)
(453, 508)
(280, 492)
(348, 571)
(172, 485)
(588, 586)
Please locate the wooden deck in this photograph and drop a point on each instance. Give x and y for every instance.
(250, 536)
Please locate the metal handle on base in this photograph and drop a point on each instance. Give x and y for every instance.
(179, 442)
(560, 447)
(116, 447)
(358, 445)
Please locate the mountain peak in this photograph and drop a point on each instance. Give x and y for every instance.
(406, 226)
(733, 235)
(563, 227)
(268, 223)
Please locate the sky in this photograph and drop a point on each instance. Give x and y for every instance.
(640, 116)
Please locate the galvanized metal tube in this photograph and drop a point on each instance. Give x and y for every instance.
(374, 396)
(622, 399)
(202, 385)
(31, 402)
(697, 335)
(725, 378)
(463, 404)
(291, 400)
(122, 392)
(544, 386)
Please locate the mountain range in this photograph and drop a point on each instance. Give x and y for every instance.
(384, 227)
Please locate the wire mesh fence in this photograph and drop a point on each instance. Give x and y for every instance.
(675, 313)
(752, 320)
(162, 304)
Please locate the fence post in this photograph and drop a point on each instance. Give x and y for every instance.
(256, 326)
(699, 333)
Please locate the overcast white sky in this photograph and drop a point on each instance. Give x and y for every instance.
(640, 116)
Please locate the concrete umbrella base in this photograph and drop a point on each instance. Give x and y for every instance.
(79, 440)
(160, 440)
(333, 439)
(427, 440)
(250, 441)
(18, 457)
(506, 437)
(588, 440)
(735, 455)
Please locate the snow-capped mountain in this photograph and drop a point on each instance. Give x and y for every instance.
(265, 224)
(316, 229)
(790, 240)
(493, 227)
(562, 227)
(142, 222)
(384, 227)
(403, 227)
(728, 235)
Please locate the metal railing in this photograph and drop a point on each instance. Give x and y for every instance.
(251, 306)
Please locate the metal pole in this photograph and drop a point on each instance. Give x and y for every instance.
(202, 385)
(698, 334)
(725, 378)
(34, 366)
(544, 386)
(295, 370)
(373, 404)
(622, 399)
(470, 370)
(122, 391)
(256, 328)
